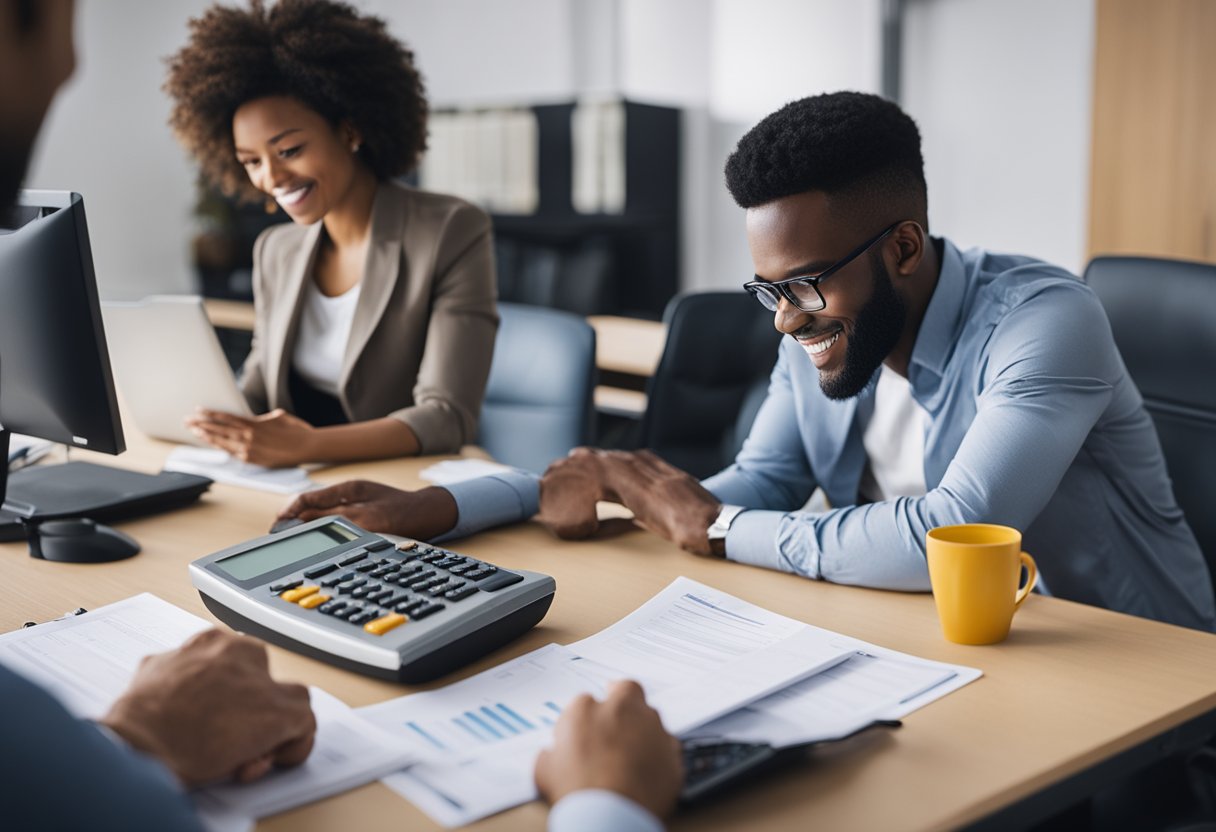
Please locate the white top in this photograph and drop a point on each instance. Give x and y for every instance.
(321, 340)
(894, 442)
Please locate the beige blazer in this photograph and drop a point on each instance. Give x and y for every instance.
(423, 332)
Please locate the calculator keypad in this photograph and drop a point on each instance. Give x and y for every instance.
(381, 594)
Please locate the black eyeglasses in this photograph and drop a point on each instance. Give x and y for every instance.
(803, 290)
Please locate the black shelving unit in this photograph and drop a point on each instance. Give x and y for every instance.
(637, 252)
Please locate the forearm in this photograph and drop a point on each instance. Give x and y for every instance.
(374, 439)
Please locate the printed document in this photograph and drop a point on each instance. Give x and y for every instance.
(88, 660)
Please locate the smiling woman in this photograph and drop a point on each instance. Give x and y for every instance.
(375, 309)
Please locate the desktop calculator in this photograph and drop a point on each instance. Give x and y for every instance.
(395, 609)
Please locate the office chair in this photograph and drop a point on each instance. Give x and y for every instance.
(1161, 314)
(538, 402)
(711, 379)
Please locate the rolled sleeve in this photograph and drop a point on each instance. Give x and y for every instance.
(752, 539)
(599, 810)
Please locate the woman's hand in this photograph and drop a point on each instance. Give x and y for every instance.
(275, 439)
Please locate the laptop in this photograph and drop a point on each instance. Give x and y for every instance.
(168, 363)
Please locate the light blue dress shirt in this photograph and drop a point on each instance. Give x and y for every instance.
(598, 810)
(1033, 422)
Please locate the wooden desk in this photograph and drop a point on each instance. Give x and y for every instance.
(1073, 686)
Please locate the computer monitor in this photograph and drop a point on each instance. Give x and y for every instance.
(55, 380)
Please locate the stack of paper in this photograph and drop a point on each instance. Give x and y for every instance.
(87, 661)
(711, 664)
(223, 467)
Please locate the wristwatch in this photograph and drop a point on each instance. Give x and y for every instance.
(718, 529)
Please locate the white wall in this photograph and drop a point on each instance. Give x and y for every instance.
(106, 137)
(1002, 93)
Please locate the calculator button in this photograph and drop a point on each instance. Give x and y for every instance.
(407, 545)
(294, 595)
(378, 545)
(366, 567)
(421, 577)
(398, 598)
(408, 607)
(315, 600)
(502, 579)
(382, 625)
(332, 606)
(364, 591)
(481, 572)
(440, 589)
(410, 569)
(351, 585)
(460, 594)
(348, 612)
(381, 596)
(364, 616)
(464, 567)
(334, 580)
(383, 570)
(318, 571)
(432, 557)
(422, 586)
(449, 562)
(425, 611)
(355, 558)
(285, 585)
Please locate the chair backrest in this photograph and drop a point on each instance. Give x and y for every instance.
(1163, 315)
(720, 351)
(538, 402)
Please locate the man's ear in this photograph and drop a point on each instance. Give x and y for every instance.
(910, 240)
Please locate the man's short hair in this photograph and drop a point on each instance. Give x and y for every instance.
(847, 144)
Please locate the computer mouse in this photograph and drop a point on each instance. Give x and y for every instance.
(284, 525)
(82, 541)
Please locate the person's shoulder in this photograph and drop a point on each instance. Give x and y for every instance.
(434, 209)
(1011, 281)
(280, 239)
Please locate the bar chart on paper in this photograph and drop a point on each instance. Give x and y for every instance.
(522, 698)
(483, 725)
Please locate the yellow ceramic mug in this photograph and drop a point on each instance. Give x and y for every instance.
(975, 569)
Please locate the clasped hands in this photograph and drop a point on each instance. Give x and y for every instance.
(663, 499)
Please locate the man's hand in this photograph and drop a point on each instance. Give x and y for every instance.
(426, 513)
(569, 491)
(211, 711)
(619, 745)
(663, 499)
(275, 439)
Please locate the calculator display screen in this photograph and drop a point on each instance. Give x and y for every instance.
(282, 553)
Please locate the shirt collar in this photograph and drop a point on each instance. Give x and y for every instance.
(943, 317)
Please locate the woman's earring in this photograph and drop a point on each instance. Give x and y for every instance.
(354, 147)
(271, 206)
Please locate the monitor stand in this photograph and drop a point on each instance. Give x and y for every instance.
(68, 541)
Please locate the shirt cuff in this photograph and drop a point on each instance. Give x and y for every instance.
(493, 500)
(753, 539)
(599, 810)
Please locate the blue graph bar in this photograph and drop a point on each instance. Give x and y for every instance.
(482, 724)
(460, 722)
(553, 707)
(418, 730)
(509, 712)
(547, 721)
(498, 720)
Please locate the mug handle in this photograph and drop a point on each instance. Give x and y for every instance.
(1032, 574)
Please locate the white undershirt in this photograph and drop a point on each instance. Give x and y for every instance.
(894, 442)
(321, 339)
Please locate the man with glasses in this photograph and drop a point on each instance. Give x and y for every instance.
(921, 386)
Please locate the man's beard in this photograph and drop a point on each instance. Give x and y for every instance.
(877, 330)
